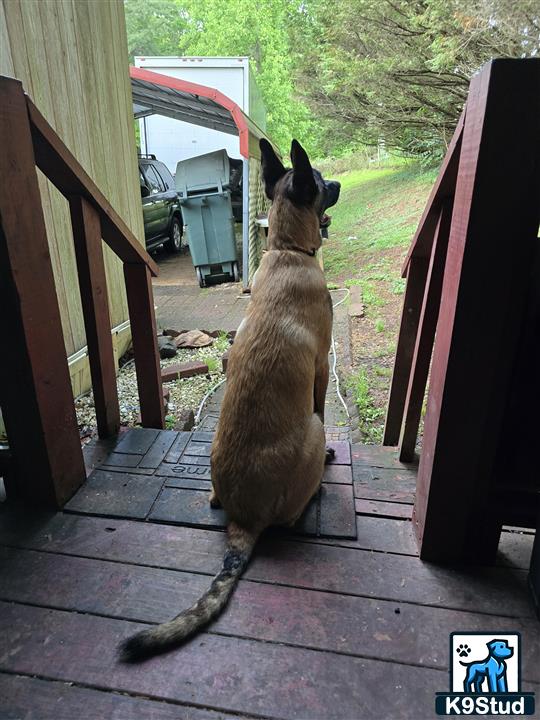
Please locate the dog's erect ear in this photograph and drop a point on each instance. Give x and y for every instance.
(272, 167)
(304, 186)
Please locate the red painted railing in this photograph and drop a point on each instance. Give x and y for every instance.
(36, 395)
(470, 318)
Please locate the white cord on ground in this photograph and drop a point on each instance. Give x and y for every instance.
(334, 373)
(205, 398)
(334, 363)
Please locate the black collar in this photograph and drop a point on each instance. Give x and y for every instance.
(295, 248)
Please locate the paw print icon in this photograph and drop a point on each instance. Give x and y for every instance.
(463, 650)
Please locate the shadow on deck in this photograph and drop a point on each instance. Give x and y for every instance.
(319, 627)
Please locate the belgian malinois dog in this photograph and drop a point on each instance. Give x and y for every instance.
(269, 451)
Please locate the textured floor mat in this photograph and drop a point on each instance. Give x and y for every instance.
(164, 476)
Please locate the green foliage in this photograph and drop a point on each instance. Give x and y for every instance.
(398, 286)
(397, 71)
(370, 296)
(378, 210)
(211, 362)
(154, 27)
(221, 343)
(379, 325)
(369, 415)
(170, 421)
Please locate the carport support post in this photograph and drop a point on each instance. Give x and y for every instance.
(245, 222)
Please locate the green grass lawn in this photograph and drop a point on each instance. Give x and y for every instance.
(372, 227)
(378, 210)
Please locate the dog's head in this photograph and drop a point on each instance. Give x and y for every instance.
(302, 185)
(499, 649)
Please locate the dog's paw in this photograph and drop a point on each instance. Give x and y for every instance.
(463, 650)
(330, 454)
(214, 501)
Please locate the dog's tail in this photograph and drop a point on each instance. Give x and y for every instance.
(158, 639)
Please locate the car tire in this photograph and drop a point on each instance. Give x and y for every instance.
(174, 243)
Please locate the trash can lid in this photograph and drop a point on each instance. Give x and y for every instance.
(203, 172)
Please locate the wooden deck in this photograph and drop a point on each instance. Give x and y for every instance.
(318, 628)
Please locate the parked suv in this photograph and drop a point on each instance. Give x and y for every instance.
(161, 208)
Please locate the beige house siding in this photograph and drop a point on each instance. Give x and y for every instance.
(72, 60)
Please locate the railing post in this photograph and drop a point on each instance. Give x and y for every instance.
(35, 387)
(412, 305)
(145, 347)
(93, 287)
(425, 336)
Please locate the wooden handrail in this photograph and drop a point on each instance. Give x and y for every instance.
(420, 305)
(46, 446)
(425, 335)
(443, 189)
(56, 161)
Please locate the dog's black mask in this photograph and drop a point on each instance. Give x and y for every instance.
(303, 185)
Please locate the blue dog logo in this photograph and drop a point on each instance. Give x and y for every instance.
(491, 686)
(493, 668)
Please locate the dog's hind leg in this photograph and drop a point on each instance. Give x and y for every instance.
(321, 384)
(308, 473)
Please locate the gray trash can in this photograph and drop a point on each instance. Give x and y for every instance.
(203, 187)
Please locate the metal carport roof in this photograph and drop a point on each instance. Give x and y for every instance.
(154, 93)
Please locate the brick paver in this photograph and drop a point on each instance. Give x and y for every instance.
(183, 305)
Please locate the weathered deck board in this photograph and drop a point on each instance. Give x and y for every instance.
(287, 562)
(317, 628)
(381, 508)
(232, 674)
(35, 699)
(382, 534)
(341, 474)
(342, 452)
(319, 620)
(209, 422)
(184, 470)
(202, 436)
(384, 484)
(379, 456)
